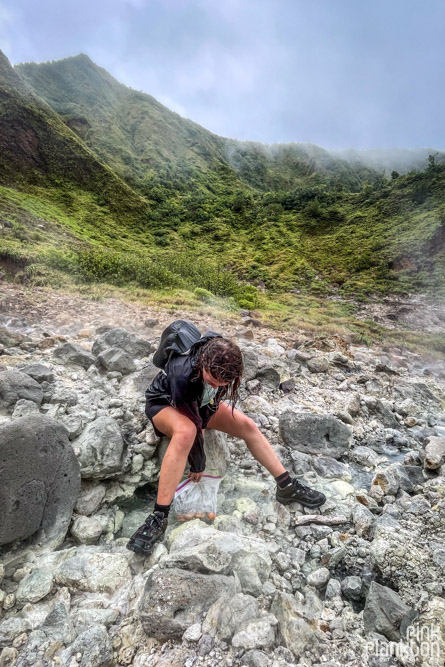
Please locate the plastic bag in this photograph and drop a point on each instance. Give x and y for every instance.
(197, 500)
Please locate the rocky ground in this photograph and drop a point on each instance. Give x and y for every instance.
(260, 585)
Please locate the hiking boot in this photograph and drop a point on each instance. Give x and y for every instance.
(152, 531)
(299, 493)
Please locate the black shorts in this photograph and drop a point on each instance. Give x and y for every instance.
(156, 404)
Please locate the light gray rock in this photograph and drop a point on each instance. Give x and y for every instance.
(364, 455)
(83, 619)
(363, 520)
(319, 578)
(250, 361)
(256, 658)
(204, 549)
(257, 633)
(39, 481)
(58, 626)
(15, 385)
(269, 378)
(24, 408)
(100, 448)
(388, 479)
(384, 611)
(86, 530)
(93, 646)
(35, 586)
(434, 453)
(258, 405)
(318, 365)
(94, 572)
(293, 631)
(134, 345)
(315, 434)
(10, 338)
(90, 498)
(228, 613)
(217, 452)
(344, 417)
(353, 405)
(70, 353)
(330, 468)
(333, 589)
(12, 627)
(174, 599)
(115, 359)
(193, 633)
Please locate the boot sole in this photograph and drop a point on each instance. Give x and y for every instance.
(132, 546)
(289, 501)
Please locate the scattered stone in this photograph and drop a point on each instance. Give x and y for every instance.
(15, 385)
(384, 612)
(35, 586)
(69, 353)
(174, 599)
(86, 530)
(133, 345)
(293, 631)
(90, 498)
(94, 572)
(114, 359)
(258, 633)
(92, 648)
(193, 633)
(363, 520)
(351, 587)
(315, 434)
(318, 365)
(269, 378)
(434, 453)
(319, 578)
(12, 627)
(353, 405)
(100, 448)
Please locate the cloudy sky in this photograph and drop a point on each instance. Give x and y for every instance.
(338, 73)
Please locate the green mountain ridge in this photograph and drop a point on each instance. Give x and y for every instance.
(134, 134)
(107, 183)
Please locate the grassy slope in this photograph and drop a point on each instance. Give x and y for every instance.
(65, 210)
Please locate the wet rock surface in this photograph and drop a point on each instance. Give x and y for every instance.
(262, 584)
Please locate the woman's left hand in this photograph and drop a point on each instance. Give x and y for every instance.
(195, 476)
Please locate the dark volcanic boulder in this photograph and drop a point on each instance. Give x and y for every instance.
(39, 481)
(69, 353)
(133, 345)
(15, 385)
(315, 434)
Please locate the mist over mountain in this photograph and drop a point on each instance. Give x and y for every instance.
(387, 160)
(107, 183)
(134, 133)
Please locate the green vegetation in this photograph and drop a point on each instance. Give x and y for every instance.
(102, 184)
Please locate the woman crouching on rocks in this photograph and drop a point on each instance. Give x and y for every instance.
(185, 399)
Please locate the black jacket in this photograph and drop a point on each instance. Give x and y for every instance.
(176, 386)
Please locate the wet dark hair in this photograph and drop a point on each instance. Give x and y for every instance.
(222, 358)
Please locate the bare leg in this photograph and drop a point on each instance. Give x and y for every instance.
(182, 432)
(241, 426)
